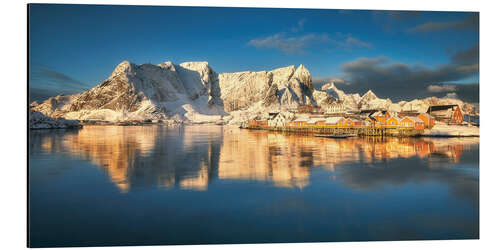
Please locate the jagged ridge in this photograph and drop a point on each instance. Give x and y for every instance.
(190, 90)
(193, 91)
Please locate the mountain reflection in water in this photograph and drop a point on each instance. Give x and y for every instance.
(113, 185)
(190, 157)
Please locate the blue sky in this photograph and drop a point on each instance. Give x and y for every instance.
(75, 47)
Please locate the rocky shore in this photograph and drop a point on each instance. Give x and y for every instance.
(38, 120)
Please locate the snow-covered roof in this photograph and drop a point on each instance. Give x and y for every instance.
(396, 118)
(441, 107)
(413, 119)
(275, 116)
(333, 120)
(335, 104)
(314, 120)
(301, 119)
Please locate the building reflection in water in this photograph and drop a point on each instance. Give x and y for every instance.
(191, 157)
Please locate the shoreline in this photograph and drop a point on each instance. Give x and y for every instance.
(441, 131)
(448, 136)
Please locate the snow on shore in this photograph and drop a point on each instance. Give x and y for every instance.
(38, 120)
(444, 130)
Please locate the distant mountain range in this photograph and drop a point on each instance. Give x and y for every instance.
(192, 91)
(369, 100)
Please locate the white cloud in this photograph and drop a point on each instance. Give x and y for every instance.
(292, 43)
(299, 44)
(354, 42)
(451, 95)
(289, 44)
(441, 88)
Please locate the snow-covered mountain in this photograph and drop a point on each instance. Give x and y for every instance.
(192, 91)
(351, 101)
(283, 86)
(421, 105)
(369, 100)
(188, 91)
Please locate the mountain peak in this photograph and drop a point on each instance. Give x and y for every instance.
(194, 91)
(304, 75)
(330, 85)
(285, 69)
(195, 64)
(123, 67)
(167, 65)
(369, 95)
(302, 68)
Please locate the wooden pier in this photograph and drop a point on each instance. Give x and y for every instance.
(359, 131)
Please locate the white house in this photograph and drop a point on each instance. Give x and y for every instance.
(335, 108)
(276, 120)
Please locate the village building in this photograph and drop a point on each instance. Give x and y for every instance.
(427, 119)
(451, 114)
(256, 123)
(334, 121)
(348, 123)
(320, 122)
(412, 123)
(381, 116)
(392, 122)
(308, 109)
(276, 120)
(316, 121)
(411, 113)
(337, 108)
(299, 122)
(358, 123)
(370, 122)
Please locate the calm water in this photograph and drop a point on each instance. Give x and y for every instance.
(106, 185)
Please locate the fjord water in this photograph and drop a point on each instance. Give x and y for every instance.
(148, 185)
